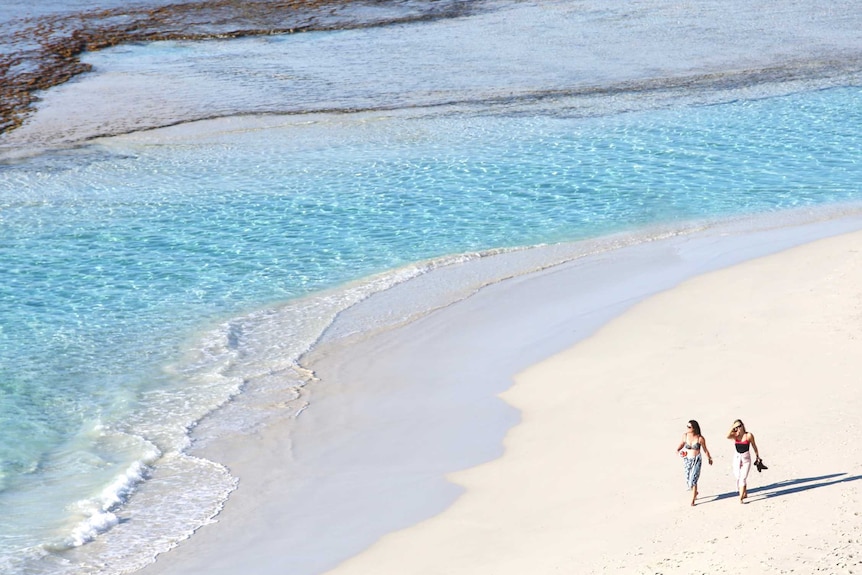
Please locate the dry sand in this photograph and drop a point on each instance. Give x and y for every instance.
(590, 481)
(573, 386)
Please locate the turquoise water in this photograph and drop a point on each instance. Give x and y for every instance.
(148, 280)
(124, 262)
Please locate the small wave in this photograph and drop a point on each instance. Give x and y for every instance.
(88, 530)
(98, 512)
(180, 495)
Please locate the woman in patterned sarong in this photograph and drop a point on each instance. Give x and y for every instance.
(689, 449)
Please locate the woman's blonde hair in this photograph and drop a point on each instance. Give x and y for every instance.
(740, 424)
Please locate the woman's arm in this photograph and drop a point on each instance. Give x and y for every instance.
(681, 444)
(753, 445)
(705, 449)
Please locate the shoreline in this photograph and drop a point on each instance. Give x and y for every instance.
(774, 340)
(367, 449)
(366, 434)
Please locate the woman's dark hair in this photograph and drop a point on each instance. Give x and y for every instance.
(695, 426)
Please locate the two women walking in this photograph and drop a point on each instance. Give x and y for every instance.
(693, 443)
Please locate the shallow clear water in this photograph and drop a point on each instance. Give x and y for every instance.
(118, 255)
(146, 280)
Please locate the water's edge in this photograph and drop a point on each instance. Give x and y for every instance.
(703, 247)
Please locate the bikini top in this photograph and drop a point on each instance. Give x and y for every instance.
(695, 445)
(742, 446)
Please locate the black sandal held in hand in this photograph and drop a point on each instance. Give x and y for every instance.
(758, 463)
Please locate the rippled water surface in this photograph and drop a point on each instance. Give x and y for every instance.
(148, 279)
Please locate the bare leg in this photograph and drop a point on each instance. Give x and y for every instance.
(693, 495)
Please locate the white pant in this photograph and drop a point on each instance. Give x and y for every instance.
(741, 467)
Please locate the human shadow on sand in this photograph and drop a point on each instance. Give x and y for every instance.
(787, 487)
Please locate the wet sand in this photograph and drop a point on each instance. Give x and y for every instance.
(580, 462)
(589, 481)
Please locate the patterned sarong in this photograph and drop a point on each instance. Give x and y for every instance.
(692, 470)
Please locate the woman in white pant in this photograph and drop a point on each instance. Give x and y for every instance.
(744, 443)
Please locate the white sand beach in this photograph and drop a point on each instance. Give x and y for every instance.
(586, 479)
(471, 406)
(590, 481)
